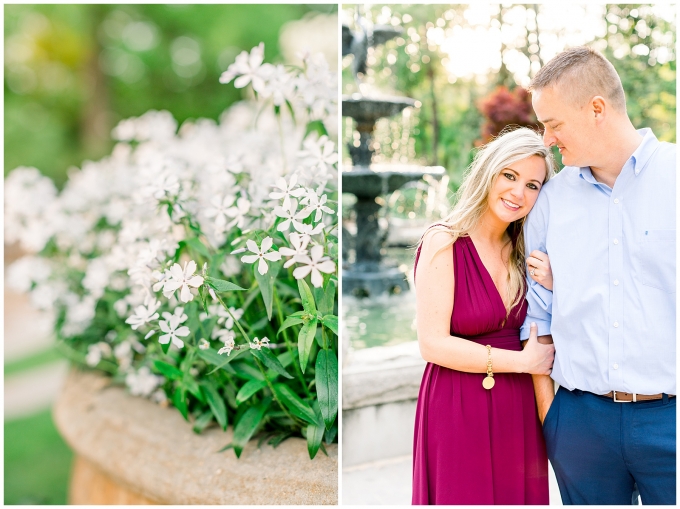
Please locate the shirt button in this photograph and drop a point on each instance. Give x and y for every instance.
(616, 282)
(616, 324)
(616, 200)
(616, 241)
(616, 366)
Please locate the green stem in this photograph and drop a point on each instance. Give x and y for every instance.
(271, 388)
(283, 152)
(296, 364)
(233, 318)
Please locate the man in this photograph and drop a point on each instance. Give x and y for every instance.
(607, 222)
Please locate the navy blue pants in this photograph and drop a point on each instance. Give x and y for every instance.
(605, 452)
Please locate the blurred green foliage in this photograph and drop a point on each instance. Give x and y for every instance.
(37, 462)
(421, 64)
(73, 71)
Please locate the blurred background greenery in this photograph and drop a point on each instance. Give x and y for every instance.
(71, 73)
(466, 64)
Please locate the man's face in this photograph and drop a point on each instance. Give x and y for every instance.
(566, 126)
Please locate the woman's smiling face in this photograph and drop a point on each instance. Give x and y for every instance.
(516, 189)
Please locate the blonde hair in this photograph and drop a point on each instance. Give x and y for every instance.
(582, 73)
(472, 198)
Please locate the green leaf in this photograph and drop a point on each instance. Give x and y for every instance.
(327, 385)
(318, 294)
(191, 386)
(331, 321)
(277, 439)
(314, 437)
(167, 370)
(179, 399)
(249, 389)
(221, 285)
(329, 298)
(220, 361)
(259, 325)
(289, 322)
(198, 246)
(165, 347)
(329, 436)
(307, 297)
(202, 422)
(317, 127)
(268, 359)
(266, 284)
(201, 294)
(294, 403)
(247, 425)
(305, 341)
(291, 110)
(216, 404)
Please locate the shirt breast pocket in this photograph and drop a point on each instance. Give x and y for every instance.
(657, 260)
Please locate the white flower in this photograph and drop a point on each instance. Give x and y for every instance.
(261, 254)
(238, 212)
(287, 190)
(318, 205)
(279, 85)
(227, 337)
(290, 214)
(178, 312)
(143, 382)
(249, 68)
(182, 279)
(316, 264)
(220, 210)
(257, 344)
(144, 314)
(308, 229)
(203, 344)
(95, 352)
(172, 330)
(299, 242)
(318, 153)
(123, 354)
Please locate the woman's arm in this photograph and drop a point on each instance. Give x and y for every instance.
(434, 296)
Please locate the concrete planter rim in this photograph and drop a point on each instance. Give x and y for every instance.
(154, 452)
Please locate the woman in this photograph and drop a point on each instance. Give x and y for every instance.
(478, 439)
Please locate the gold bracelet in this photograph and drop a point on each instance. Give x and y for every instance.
(488, 382)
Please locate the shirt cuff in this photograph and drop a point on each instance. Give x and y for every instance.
(543, 328)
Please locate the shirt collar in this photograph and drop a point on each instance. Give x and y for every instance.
(639, 158)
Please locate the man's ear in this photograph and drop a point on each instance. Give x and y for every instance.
(598, 107)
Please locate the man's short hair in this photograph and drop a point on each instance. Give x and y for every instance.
(582, 73)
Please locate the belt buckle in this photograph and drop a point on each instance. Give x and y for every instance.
(623, 401)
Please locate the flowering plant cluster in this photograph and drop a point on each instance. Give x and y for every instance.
(198, 266)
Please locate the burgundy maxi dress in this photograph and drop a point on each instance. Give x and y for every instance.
(472, 445)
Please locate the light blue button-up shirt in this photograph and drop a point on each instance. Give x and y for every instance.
(612, 309)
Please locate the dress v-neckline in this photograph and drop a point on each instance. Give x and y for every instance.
(486, 271)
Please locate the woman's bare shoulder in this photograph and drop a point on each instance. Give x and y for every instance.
(436, 245)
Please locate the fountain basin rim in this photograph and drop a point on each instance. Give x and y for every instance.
(391, 99)
(394, 169)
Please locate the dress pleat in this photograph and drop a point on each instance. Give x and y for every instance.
(472, 445)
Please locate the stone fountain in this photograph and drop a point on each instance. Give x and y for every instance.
(370, 274)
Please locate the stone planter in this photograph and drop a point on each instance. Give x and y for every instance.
(131, 451)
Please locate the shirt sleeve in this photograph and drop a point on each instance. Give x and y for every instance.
(538, 297)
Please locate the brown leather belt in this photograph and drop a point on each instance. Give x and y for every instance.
(627, 397)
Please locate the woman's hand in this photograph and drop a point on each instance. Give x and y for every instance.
(539, 269)
(538, 358)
